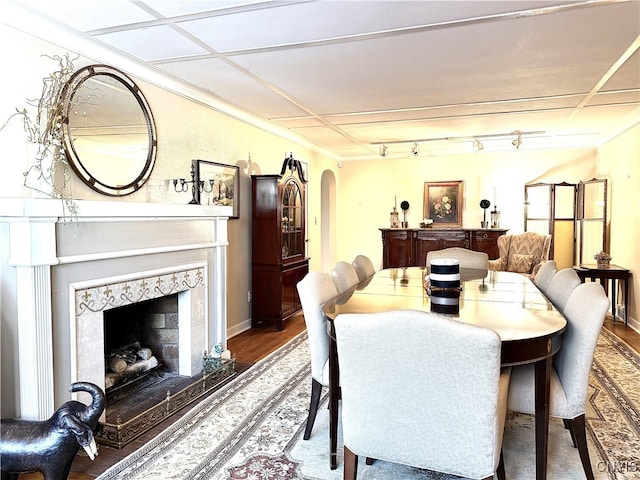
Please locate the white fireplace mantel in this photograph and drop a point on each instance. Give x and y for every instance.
(50, 250)
(88, 209)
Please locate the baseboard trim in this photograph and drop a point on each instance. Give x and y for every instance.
(237, 329)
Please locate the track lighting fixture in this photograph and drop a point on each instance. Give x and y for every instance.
(490, 141)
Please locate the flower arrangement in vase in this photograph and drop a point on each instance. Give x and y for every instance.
(443, 207)
(603, 259)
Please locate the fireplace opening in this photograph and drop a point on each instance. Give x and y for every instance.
(140, 339)
(141, 348)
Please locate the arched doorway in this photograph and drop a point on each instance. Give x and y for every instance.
(327, 220)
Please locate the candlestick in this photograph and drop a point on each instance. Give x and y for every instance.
(195, 185)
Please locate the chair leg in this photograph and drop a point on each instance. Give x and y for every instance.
(350, 465)
(579, 433)
(316, 391)
(500, 470)
(567, 425)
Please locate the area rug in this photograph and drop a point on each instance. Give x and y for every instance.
(251, 429)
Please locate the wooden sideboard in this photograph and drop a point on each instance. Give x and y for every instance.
(408, 247)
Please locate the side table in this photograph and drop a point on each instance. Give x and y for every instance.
(613, 273)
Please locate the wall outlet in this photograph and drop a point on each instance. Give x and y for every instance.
(249, 296)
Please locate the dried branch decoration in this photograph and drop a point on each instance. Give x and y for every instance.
(50, 168)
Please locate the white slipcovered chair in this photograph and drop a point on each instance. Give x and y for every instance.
(363, 266)
(344, 276)
(467, 258)
(560, 287)
(421, 390)
(315, 289)
(585, 312)
(545, 273)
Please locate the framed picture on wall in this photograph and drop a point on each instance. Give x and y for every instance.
(219, 185)
(443, 203)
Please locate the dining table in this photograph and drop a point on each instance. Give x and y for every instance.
(508, 303)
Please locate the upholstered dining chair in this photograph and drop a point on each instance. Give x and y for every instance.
(467, 258)
(421, 390)
(344, 276)
(521, 253)
(560, 287)
(315, 289)
(363, 266)
(545, 273)
(585, 312)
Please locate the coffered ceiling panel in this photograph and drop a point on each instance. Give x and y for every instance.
(228, 82)
(347, 75)
(153, 43)
(88, 15)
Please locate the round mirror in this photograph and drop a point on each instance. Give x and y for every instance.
(109, 133)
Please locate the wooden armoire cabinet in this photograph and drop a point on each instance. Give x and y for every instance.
(278, 250)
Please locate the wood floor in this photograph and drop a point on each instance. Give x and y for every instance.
(249, 347)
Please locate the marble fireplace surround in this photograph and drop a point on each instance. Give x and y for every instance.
(67, 273)
(93, 299)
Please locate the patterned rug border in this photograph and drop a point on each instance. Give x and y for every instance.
(617, 464)
(163, 442)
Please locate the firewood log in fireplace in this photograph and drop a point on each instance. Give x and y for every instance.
(116, 364)
(144, 353)
(112, 379)
(140, 366)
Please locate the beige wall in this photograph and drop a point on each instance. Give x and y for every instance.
(186, 130)
(367, 189)
(619, 162)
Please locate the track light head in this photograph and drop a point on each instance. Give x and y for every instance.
(415, 149)
(518, 141)
(383, 150)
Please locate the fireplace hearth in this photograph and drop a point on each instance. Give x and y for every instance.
(146, 403)
(144, 383)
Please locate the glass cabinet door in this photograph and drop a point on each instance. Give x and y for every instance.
(292, 219)
(550, 208)
(537, 208)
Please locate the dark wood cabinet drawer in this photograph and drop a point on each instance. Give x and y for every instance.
(486, 241)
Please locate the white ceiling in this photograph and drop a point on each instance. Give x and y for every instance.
(348, 75)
